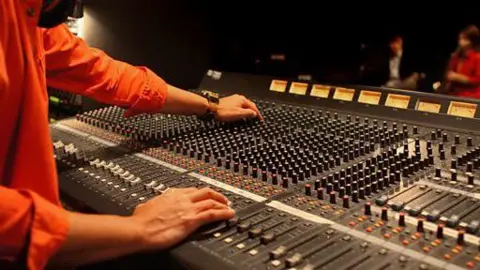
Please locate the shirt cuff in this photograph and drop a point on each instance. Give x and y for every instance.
(152, 97)
(49, 230)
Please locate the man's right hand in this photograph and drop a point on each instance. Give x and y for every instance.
(169, 218)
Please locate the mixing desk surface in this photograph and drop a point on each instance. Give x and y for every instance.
(332, 179)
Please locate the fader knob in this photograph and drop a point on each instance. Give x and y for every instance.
(438, 172)
(445, 137)
(470, 179)
(316, 184)
(433, 135)
(355, 196)
(457, 139)
(453, 149)
(440, 231)
(401, 219)
(442, 154)
(415, 130)
(384, 215)
(420, 228)
(461, 237)
(453, 175)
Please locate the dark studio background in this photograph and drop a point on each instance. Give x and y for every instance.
(181, 39)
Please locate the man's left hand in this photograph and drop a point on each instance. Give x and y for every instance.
(235, 108)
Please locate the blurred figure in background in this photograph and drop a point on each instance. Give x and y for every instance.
(394, 68)
(463, 72)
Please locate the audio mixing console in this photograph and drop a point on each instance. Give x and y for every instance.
(324, 182)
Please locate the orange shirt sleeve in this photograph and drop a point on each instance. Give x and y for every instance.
(27, 221)
(72, 66)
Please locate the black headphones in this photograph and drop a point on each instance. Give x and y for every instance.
(57, 14)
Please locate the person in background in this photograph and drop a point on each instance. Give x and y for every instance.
(394, 68)
(463, 72)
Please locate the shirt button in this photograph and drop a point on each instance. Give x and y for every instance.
(31, 12)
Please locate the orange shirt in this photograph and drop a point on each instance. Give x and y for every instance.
(30, 59)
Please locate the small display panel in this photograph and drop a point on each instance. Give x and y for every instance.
(369, 97)
(344, 94)
(397, 101)
(428, 106)
(298, 88)
(278, 86)
(462, 109)
(321, 91)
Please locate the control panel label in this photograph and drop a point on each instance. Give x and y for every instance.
(369, 97)
(462, 109)
(278, 86)
(344, 94)
(298, 88)
(321, 91)
(397, 101)
(428, 106)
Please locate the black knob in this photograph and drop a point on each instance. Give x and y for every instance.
(457, 139)
(470, 179)
(453, 149)
(361, 193)
(461, 237)
(445, 137)
(469, 166)
(355, 196)
(420, 228)
(329, 188)
(254, 172)
(245, 169)
(236, 167)
(453, 164)
(348, 189)
(323, 181)
(274, 179)
(384, 215)
(316, 184)
(438, 172)
(295, 178)
(442, 154)
(308, 190)
(333, 198)
(440, 231)
(341, 192)
(401, 219)
(433, 135)
(320, 193)
(415, 130)
(264, 176)
(453, 175)
(285, 182)
(346, 202)
(469, 141)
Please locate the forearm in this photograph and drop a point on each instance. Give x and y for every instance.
(93, 238)
(183, 102)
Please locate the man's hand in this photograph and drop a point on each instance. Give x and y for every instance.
(457, 77)
(169, 218)
(237, 107)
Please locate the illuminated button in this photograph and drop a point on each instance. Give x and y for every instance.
(241, 246)
(426, 249)
(470, 264)
(387, 236)
(253, 252)
(405, 242)
(395, 231)
(477, 258)
(447, 257)
(455, 250)
(228, 240)
(383, 251)
(369, 229)
(352, 223)
(216, 235)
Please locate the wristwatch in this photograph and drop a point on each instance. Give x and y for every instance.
(213, 101)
